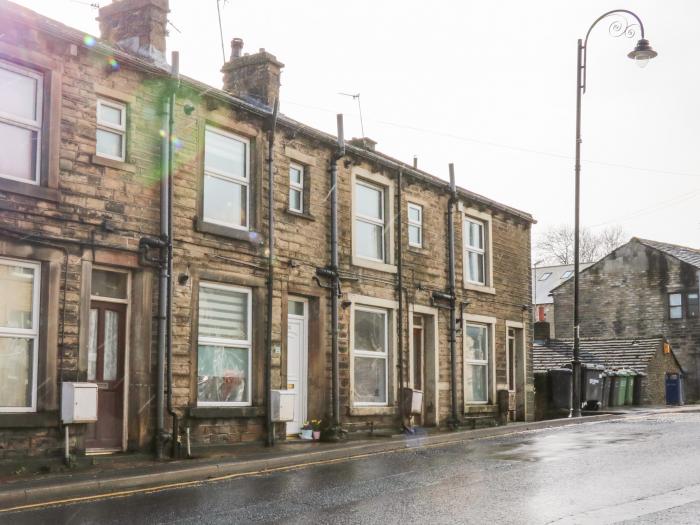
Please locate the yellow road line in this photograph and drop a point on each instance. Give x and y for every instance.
(185, 484)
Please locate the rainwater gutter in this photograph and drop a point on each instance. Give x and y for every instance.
(272, 125)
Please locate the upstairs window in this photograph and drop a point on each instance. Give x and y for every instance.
(226, 179)
(296, 188)
(369, 221)
(693, 305)
(675, 306)
(21, 94)
(111, 130)
(475, 253)
(415, 225)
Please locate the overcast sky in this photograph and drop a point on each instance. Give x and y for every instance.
(488, 85)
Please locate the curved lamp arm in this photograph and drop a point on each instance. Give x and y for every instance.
(628, 30)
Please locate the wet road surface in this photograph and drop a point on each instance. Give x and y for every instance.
(645, 470)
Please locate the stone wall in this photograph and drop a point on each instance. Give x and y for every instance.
(625, 295)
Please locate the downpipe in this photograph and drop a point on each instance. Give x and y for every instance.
(453, 422)
(270, 426)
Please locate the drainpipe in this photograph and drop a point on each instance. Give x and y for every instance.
(335, 283)
(454, 418)
(270, 441)
(399, 262)
(161, 435)
(175, 83)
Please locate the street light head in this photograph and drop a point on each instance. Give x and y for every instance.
(642, 53)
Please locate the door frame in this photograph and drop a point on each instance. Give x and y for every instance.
(516, 325)
(304, 358)
(127, 338)
(431, 355)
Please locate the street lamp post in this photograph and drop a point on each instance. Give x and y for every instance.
(642, 53)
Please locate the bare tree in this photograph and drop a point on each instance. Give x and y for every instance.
(556, 244)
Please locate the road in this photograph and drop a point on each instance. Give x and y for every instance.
(642, 470)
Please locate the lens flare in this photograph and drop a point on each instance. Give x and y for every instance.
(89, 40)
(113, 64)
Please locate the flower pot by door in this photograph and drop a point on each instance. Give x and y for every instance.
(317, 435)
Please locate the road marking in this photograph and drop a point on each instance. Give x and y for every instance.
(635, 508)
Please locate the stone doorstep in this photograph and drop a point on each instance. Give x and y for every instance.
(44, 491)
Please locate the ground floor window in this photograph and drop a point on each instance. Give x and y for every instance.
(370, 356)
(19, 334)
(224, 347)
(476, 363)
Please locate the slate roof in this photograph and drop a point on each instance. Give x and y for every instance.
(542, 288)
(682, 253)
(632, 354)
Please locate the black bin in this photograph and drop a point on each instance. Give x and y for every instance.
(560, 384)
(637, 393)
(592, 386)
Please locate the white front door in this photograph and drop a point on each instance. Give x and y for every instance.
(297, 360)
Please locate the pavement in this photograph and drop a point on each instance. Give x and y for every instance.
(143, 478)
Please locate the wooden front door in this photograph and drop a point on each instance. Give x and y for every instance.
(106, 345)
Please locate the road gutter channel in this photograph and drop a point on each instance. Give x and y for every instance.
(67, 492)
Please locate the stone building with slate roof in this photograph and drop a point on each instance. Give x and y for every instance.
(641, 289)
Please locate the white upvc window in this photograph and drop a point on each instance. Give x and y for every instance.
(111, 130)
(226, 179)
(296, 188)
(369, 221)
(415, 225)
(21, 94)
(476, 363)
(19, 334)
(224, 346)
(474, 251)
(370, 354)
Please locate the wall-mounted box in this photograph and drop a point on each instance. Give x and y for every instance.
(79, 403)
(282, 408)
(413, 401)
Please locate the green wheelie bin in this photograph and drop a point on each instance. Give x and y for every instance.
(620, 388)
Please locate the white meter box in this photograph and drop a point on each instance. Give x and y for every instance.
(79, 403)
(282, 408)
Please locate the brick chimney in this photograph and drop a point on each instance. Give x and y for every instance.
(137, 26)
(255, 78)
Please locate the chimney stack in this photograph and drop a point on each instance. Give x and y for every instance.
(137, 26)
(255, 78)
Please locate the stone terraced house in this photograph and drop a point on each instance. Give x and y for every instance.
(135, 254)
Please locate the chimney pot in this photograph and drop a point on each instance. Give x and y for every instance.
(236, 47)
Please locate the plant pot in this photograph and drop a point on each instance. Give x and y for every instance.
(306, 434)
(317, 435)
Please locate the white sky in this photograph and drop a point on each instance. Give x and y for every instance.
(488, 85)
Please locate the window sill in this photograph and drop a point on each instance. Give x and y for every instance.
(301, 215)
(478, 288)
(29, 190)
(115, 164)
(225, 412)
(379, 266)
(29, 420)
(226, 231)
(373, 411)
(477, 409)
